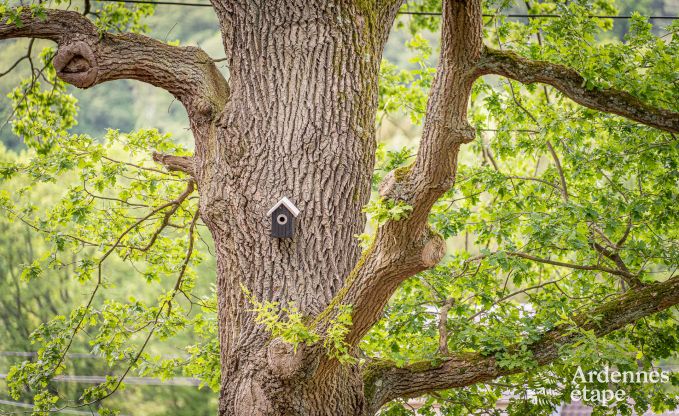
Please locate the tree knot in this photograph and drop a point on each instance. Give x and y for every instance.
(393, 184)
(462, 133)
(76, 64)
(284, 359)
(434, 249)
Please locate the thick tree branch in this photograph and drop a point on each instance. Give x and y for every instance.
(184, 164)
(406, 247)
(86, 58)
(386, 382)
(572, 84)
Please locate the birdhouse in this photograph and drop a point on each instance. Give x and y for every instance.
(283, 216)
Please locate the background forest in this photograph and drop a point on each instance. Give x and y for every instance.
(127, 106)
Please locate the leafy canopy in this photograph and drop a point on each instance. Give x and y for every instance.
(545, 181)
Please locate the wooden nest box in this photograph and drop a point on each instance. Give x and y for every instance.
(283, 216)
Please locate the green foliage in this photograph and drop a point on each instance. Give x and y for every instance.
(116, 211)
(121, 17)
(284, 322)
(417, 23)
(388, 160)
(65, 200)
(334, 340)
(204, 357)
(405, 90)
(42, 115)
(290, 325)
(620, 192)
(383, 210)
(109, 17)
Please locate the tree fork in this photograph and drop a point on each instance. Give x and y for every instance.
(419, 185)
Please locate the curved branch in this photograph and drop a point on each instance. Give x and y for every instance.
(572, 84)
(386, 382)
(406, 247)
(86, 58)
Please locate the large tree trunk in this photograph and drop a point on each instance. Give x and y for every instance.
(299, 123)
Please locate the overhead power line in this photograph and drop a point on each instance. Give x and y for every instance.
(592, 16)
(35, 354)
(73, 354)
(542, 16)
(165, 3)
(143, 381)
(410, 13)
(31, 406)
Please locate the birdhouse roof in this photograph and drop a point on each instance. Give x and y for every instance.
(288, 204)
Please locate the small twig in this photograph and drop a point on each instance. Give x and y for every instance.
(561, 264)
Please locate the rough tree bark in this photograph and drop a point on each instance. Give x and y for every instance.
(299, 123)
(296, 119)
